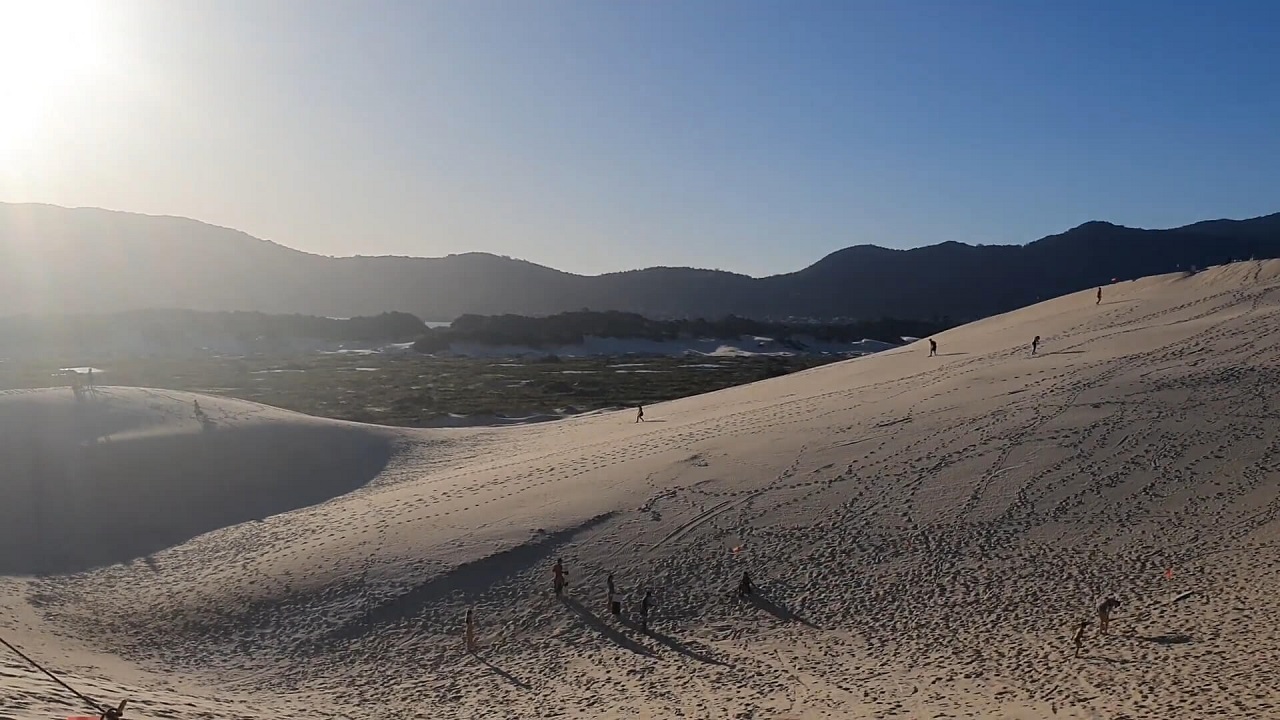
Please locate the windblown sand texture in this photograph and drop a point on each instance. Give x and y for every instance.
(925, 532)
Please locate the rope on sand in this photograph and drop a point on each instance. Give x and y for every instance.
(103, 712)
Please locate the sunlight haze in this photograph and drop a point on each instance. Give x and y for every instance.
(600, 136)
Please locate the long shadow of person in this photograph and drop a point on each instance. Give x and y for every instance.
(504, 674)
(777, 610)
(600, 626)
(686, 650)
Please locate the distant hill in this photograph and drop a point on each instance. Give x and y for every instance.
(63, 260)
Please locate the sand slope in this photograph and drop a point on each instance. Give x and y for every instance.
(925, 532)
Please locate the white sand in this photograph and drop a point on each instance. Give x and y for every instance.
(926, 532)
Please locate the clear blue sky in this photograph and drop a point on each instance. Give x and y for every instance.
(598, 136)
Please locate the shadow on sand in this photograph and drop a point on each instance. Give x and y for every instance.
(777, 610)
(1167, 639)
(600, 626)
(503, 673)
(1112, 660)
(676, 645)
(950, 354)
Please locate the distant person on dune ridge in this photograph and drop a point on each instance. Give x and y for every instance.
(933, 347)
(1099, 297)
(1035, 345)
(1078, 638)
(639, 413)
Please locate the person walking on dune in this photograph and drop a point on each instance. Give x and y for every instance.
(933, 347)
(1104, 614)
(1099, 297)
(470, 632)
(611, 598)
(558, 577)
(745, 586)
(645, 603)
(1078, 638)
(1035, 345)
(639, 413)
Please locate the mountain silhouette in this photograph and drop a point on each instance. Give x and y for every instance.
(60, 260)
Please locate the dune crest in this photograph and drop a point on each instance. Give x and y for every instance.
(925, 533)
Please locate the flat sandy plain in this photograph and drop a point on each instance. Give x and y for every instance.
(925, 533)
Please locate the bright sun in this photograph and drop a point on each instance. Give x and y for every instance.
(48, 48)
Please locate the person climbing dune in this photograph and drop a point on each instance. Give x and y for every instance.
(558, 577)
(1104, 614)
(1035, 345)
(645, 603)
(933, 347)
(470, 631)
(1078, 638)
(611, 598)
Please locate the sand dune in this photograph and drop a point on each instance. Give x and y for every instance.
(925, 533)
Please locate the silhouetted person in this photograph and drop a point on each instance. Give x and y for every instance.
(645, 603)
(1099, 297)
(1035, 345)
(615, 605)
(90, 378)
(1078, 638)
(933, 347)
(1104, 614)
(471, 632)
(199, 413)
(639, 413)
(745, 586)
(558, 576)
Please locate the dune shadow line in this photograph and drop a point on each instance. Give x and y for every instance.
(468, 578)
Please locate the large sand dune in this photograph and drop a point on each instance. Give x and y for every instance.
(926, 532)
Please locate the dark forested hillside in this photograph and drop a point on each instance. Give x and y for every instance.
(62, 260)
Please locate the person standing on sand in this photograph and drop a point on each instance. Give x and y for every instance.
(558, 575)
(470, 632)
(933, 347)
(645, 603)
(1035, 345)
(1099, 297)
(614, 605)
(1104, 613)
(1078, 638)
(639, 413)
(745, 586)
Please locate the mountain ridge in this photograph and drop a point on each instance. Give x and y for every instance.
(73, 260)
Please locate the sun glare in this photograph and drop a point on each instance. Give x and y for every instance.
(48, 48)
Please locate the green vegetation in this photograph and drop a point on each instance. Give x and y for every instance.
(572, 327)
(168, 331)
(413, 390)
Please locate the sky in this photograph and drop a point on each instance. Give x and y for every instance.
(604, 135)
